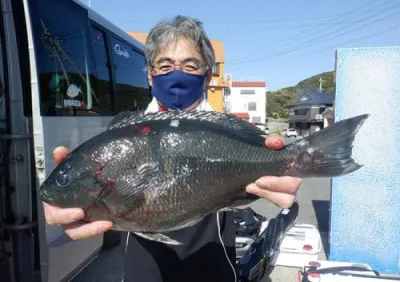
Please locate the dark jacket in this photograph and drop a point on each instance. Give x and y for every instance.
(201, 257)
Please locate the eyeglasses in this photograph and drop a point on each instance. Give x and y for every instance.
(188, 67)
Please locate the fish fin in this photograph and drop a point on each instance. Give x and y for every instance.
(234, 127)
(232, 122)
(185, 225)
(226, 209)
(241, 199)
(244, 198)
(123, 118)
(158, 237)
(326, 153)
(129, 191)
(227, 121)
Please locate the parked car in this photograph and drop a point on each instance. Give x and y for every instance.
(260, 126)
(263, 127)
(283, 132)
(291, 132)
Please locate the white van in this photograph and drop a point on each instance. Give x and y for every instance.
(64, 72)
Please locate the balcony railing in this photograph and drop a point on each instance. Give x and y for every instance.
(219, 82)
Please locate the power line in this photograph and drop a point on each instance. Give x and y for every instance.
(313, 42)
(338, 35)
(318, 31)
(310, 25)
(240, 22)
(372, 35)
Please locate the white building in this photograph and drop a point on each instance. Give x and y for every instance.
(247, 100)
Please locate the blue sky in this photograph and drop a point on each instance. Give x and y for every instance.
(281, 42)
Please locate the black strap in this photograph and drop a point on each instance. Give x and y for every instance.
(336, 269)
(339, 269)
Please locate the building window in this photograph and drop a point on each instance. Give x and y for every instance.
(247, 91)
(215, 69)
(301, 112)
(256, 119)
(252, 106)
(227, 91)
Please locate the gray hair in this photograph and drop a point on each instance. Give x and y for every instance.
(179, 27)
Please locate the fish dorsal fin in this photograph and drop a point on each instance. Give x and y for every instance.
(227, 121)
(124, 118)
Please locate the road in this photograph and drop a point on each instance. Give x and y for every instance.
(313, 198)
(314, 201)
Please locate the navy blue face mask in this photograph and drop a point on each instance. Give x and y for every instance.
(177, 90)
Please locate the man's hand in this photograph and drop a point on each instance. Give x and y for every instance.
(68, 218)
(279, 190)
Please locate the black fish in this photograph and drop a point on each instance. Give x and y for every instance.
(158, 172)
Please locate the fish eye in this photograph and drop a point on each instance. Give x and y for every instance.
(63, 179)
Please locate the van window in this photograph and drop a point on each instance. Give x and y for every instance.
(63, 57)
(132, 90)
(102, 83)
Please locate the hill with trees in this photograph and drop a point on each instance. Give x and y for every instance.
(278, 100)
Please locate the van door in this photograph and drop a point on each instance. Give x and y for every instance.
(59, 66)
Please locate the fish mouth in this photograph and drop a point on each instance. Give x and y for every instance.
(45, 197)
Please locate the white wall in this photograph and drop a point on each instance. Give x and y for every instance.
(239, 102)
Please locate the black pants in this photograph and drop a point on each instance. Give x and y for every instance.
(201, 257)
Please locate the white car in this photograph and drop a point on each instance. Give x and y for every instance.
(291, 132)
(263, 127)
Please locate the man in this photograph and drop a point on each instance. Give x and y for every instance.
(180, 57)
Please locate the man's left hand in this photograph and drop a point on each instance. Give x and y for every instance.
(279, 190)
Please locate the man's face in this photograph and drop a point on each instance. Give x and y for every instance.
(178, 52)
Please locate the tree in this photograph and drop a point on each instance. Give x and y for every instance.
(277, 101)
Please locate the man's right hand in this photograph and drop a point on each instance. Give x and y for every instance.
(68, 218)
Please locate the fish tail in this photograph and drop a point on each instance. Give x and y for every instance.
(326, 153)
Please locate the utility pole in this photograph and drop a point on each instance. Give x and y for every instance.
(320, 84)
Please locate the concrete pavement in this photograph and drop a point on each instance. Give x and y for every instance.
(314, 199)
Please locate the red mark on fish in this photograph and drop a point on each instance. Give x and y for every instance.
(141, 222)
(108, 186)
(98, 169)
(146, 130)
(143, 129)
(288, 165)
(111, 183)
(148, 213)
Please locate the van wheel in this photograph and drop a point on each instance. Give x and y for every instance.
(111, 239)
